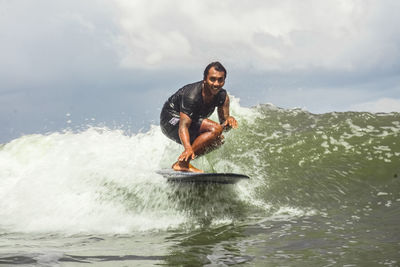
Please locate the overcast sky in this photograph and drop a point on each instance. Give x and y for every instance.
(69, 63)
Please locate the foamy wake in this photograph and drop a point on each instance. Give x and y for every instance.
(97, 180)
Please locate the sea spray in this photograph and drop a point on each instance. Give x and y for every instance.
(67, 182)
(100, 180)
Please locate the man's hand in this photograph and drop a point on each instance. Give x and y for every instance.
(187, 154)
(230, 123)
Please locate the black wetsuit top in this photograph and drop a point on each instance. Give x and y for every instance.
(188, 100)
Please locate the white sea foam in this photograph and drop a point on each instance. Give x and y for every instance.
(96, 180)
(99, 180)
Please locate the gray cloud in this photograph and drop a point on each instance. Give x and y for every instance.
(267, 35)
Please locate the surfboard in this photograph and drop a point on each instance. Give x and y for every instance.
(202, 178)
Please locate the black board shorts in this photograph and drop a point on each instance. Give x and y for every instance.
(169, 122)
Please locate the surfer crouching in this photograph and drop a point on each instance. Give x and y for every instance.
(184, 116)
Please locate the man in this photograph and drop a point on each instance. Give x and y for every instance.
(184, 116)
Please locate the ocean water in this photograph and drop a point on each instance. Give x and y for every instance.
(324, 191)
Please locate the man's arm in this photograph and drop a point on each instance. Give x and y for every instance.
(184, 124)
(223, 114)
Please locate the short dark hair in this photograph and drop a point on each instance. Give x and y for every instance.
(218, 67)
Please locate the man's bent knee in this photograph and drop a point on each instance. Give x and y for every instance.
(217, 130)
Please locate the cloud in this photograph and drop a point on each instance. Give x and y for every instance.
(380, 105)
(42, 40)
(45, 41)
(347, 35)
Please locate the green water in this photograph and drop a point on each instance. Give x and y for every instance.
(324, 191)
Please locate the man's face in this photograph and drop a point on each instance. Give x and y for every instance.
(214, 81)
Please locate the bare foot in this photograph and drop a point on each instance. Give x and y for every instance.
(185, 167)
(194, 169)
